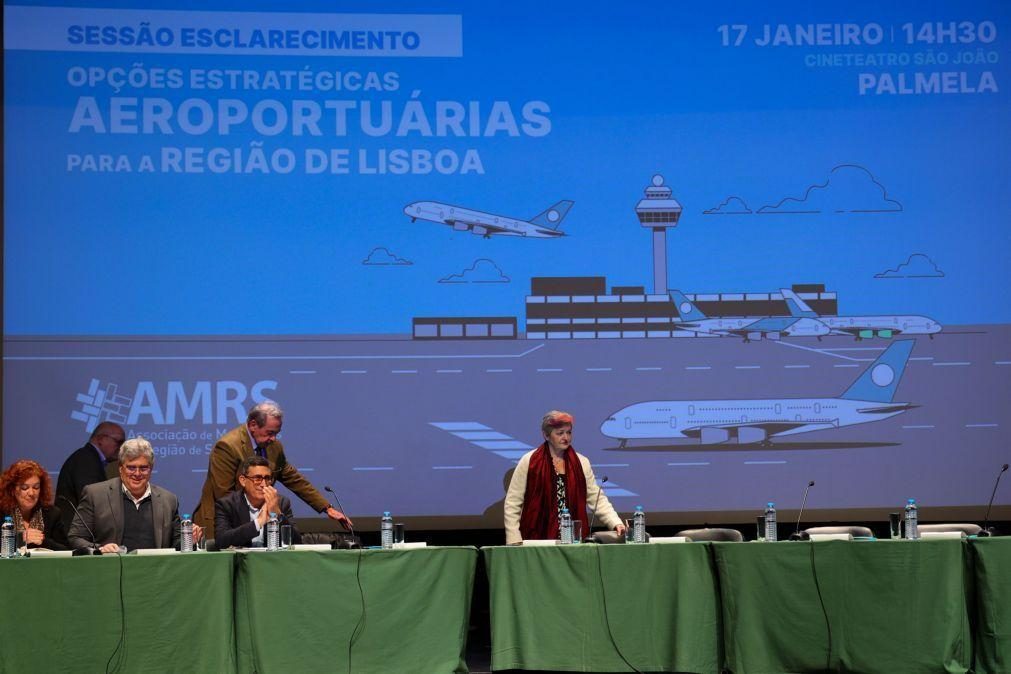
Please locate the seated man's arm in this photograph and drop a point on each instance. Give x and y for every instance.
(227, 531)
(79, 535)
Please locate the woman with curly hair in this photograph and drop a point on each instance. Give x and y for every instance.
(26, 495)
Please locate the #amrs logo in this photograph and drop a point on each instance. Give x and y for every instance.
(161, 404)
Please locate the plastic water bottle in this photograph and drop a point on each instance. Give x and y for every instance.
(639, 525)
(8, 545)
(186, 534)
(273, 535)
(386, 531)
(565, 527)
(770, 521)
(912, 517)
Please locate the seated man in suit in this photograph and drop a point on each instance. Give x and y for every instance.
(128, 510)
(240, 516)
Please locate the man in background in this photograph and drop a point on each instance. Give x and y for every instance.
(87, 466)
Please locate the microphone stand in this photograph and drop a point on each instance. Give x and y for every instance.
(351, 527)
(588, 538)
(94, 543)
(987, 531)
(796, 535)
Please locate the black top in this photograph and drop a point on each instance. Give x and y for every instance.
(560, 492)
(83, 467)
(54, 534)
(138, 524)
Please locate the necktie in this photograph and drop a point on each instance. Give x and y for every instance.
(261, 451)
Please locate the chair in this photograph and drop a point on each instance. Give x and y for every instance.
(727, 535)
(967, 529)
(854, 530)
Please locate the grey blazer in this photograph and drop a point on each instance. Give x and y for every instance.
(101, 508)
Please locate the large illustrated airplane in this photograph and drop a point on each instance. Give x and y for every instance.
(864, 327)
(772, 327)
(542, 226)
(868, 399)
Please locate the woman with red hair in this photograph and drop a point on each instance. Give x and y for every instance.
(550, 478)
(26, 496)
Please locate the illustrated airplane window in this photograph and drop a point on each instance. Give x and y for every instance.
(628, 422)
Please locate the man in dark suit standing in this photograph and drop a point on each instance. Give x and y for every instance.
(128, 510)
(240, 517)
(87, 466)
(258, 436)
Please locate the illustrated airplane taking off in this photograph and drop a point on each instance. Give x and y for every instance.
(863, 327)
(868, 399)
(542, 226)
(750, 329)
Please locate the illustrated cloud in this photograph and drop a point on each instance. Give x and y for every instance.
(731, 206)
(482, 271)
(917, 266)
(381, 256)
(849, 189)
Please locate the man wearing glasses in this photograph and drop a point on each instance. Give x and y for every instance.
(128, 511)
(257, 437)
(87, 465)
(240, 517)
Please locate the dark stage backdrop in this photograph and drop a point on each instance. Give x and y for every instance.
(747, 245)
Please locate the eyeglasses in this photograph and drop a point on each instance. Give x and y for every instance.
(143, 470)
(260, 479)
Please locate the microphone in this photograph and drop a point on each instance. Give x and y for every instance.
(351, 527)
(94, 543)
(986, 520)
(796, 535)
(589, 533)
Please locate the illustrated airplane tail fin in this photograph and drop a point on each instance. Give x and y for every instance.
(798, 307)
(687, 310)
(552, 217)
(879, 381)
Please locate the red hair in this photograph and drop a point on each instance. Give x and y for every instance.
(555, 419)
(18, 472)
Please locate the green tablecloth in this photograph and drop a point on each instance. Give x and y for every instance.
(296, 611)
(992, 575)
(559, 607)
(884, 606)
(64, 615)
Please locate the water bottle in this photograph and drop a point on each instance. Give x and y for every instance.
(639, 525)
(770, 521)
(8, 546)
(186, 534)
(386, 531)
(912, 517)
(273, 533)
(565, 527)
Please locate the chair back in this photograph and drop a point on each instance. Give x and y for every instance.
(725, 535)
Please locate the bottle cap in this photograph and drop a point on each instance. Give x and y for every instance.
(638, 507)
(8, 519)
(186, 516)
(273, 514)
(912, 501)
(771, 504)
(386, 513)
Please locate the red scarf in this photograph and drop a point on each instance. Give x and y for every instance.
(539, 519)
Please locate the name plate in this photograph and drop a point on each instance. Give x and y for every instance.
(831, 537)
(936, 535)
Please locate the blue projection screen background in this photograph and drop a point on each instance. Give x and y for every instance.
(745, 244)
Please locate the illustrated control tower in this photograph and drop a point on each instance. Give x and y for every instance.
(659, 211)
